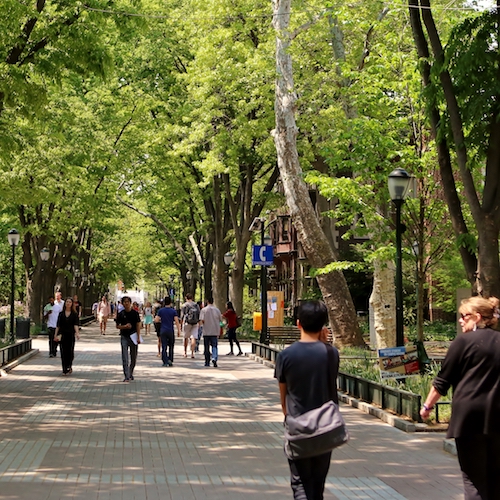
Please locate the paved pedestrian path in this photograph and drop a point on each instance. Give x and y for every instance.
(184, 433)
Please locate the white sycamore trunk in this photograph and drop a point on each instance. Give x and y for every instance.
(383, 303)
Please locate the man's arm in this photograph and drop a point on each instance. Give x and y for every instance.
(283, 392)
(178, 325)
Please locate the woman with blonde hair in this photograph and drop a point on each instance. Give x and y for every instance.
(103, 312)
(472, 368)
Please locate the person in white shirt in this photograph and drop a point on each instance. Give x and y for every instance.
(52, 316)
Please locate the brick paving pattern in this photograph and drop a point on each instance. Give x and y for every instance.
(184, 433)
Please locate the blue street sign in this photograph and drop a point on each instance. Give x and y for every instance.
(262, 255)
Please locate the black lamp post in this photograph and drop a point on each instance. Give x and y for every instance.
(13, 238)
(399, 181)
(228, 258)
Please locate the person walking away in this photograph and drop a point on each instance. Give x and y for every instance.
(57, 307)
(148, 317)
(190, 315)
(156, 307)
(66, 331)
(303, 372)
(232, 325)
(166, 316)
(211, 317)
(128, 322)
(103, 313)
(472, 368)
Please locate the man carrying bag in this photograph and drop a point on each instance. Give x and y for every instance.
(307, 373)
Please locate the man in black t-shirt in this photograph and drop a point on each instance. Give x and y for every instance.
(303, 373)
(128, 322)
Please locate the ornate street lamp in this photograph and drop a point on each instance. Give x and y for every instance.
(13, 238)
(44, 254)
(228, 258)
(44, 257)
(399, 182)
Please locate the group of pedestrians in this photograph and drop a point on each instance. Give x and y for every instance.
(471, 367)
(192, 322)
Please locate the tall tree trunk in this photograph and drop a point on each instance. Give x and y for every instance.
(383, 302)
(333, 286)
(219, 278)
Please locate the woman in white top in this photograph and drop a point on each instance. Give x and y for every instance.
(103, 312)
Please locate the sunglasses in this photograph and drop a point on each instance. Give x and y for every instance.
(465, 316)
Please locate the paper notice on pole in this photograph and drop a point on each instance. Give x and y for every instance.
(271, 314)
(133, 338)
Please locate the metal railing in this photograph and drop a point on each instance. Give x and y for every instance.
(388, 398)
(11, 352)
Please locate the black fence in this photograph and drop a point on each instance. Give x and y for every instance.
(388, 398)
(11, 352)
(264, 351)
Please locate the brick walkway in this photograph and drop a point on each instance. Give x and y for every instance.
(185, 432)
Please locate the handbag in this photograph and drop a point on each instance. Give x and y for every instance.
(319, 430)
(238, 321)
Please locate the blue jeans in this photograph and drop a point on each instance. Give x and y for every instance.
(167, 342)
(210, 341)
(128, 369)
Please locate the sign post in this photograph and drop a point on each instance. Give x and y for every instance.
(262, 255)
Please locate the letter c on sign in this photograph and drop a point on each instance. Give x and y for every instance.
(262, 254)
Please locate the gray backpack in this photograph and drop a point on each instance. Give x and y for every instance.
(192, 314)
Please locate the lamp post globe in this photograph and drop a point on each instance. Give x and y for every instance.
(228, 258)
(398, 183)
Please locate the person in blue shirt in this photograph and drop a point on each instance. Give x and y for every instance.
(166, 316)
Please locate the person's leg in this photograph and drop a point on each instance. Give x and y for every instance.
(71, 354)
(164, 346)
(52, 346)
(194, 335)
(206, 345)
(157, 330)
(240, 352)
(231, 340)
(493, 459)
(104, 322)
(473, 460)
(125, 361)
(134, 349)
(64, 355)
(171, 343)
(215, 349)
(186, 340)
(308, 476)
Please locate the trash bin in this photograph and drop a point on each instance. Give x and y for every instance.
(257, 321)
(23, 328)
(2, 327)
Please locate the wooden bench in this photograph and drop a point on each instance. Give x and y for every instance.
(287, 334)
(283, 334)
